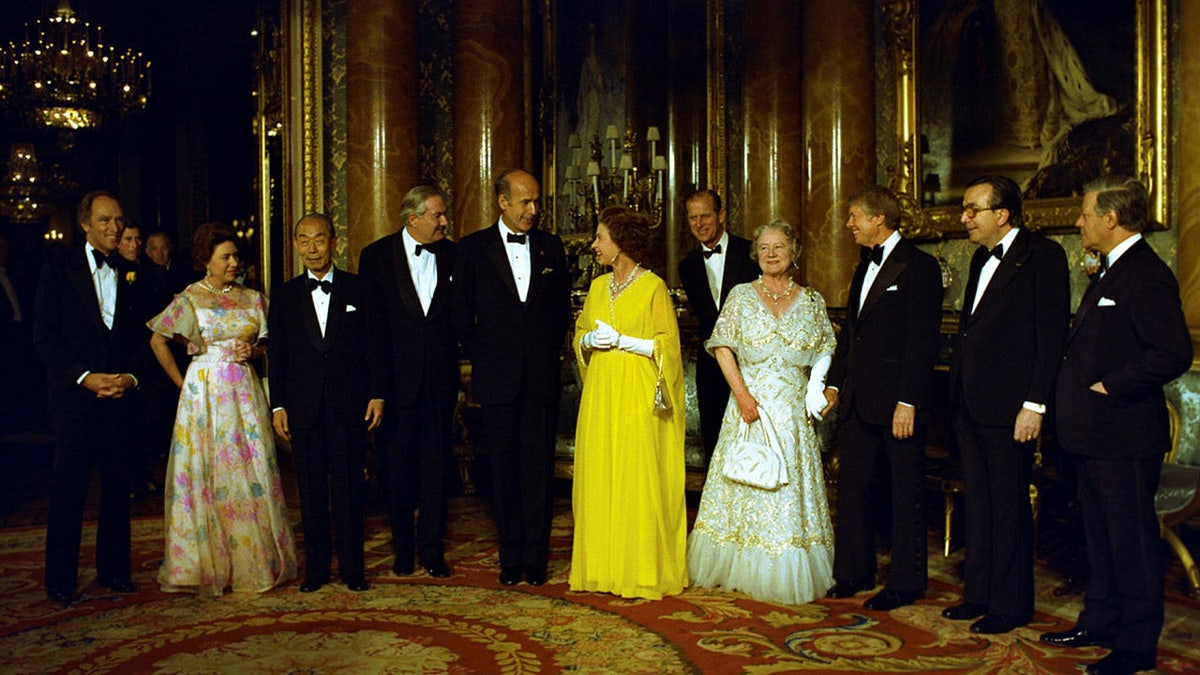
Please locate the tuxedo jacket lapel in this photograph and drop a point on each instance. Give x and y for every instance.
(445, 270)
(1095, 290)
(308, 312)
(498, 257)
(1012, 262)
(404, 281)
(80, 277)
(892, 268)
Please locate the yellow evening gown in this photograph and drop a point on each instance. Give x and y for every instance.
(628, 495)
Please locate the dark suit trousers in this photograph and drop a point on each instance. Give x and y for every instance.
(1124, 593)
(419, 459)
(329, 466)
(862, 446)
(520, 441)
(712, 397)
(92, 439)
(998, 572)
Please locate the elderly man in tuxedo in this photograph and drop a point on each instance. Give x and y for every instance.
(328, 367)
(1127, 340)
(87, 328)
(412, 270)
(708, 272)
(512, 307)
(1010, 340)
(880, 380)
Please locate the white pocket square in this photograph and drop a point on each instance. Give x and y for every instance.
(1106, 302)
(351, 308)
(893, 287)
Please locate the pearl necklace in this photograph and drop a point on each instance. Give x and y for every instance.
(786, 293)
(226, 289)
(615, 289)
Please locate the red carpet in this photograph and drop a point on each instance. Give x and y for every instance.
(470, 624)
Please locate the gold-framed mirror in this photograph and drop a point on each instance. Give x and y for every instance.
(1115, 133)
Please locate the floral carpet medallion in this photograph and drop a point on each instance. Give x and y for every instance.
(469, 623)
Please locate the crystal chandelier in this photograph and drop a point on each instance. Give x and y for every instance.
(23, 195)
(63, 75)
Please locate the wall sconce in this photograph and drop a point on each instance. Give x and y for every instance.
(618, 182)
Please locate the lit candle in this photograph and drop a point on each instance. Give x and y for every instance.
(654, 138)
(612, 135)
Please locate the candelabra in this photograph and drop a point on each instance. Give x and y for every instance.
(620, 182)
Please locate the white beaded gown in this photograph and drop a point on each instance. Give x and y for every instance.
(774, 545)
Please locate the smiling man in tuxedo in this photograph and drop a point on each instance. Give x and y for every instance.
(880, 379)
(412, 270)
(1010, 340)
(87, 329)
(1128, 338)
(327, 380)
(708, 272)
(512, 307)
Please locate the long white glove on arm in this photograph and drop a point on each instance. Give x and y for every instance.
(814, 398)
(606, 335)
(643, 346)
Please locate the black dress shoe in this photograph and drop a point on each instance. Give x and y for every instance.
(118, 585)
(967, 610)
(1077, 637)
(994, 624)
(402, 568)
(535, 577)
(510, 577)
(1122, 662)
(357, 585)
(848, 589)
(438, 570)
(310, 585)
(887, 600)
(61, 595)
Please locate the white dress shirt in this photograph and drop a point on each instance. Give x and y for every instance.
(423, 268)
(873, 269)
(518, 259)
(320, 299)
(989, 267)
(714, 267)
(104, 279)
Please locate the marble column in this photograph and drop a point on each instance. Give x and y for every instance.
(491, 114)
(1187, 209)
(382, 110)
(838, 117)
(771, 114)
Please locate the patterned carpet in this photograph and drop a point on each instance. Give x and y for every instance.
(468, 623)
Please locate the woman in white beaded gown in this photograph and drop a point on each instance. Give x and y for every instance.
(774, 342)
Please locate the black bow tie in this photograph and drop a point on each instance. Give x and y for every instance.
(420, 247)
(710, 252)
(997, 252)
(877, 254)
(325, 285)
(516, 238)
(102, 260)
(1100, 269)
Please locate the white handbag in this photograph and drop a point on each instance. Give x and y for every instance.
(755, 457)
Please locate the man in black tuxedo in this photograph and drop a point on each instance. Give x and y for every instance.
(1127, 340)
(328, 375)
(512, 306)
(880, 379)
(412, 270)
(87, 328)
(708, 272)
(1010, 340)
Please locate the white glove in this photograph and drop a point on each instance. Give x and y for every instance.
(589, 341)
(606, 335)
(814, 397)
(643, 346)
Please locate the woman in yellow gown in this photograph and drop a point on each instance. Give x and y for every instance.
(628, 494)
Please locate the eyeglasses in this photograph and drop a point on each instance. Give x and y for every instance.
(970, 210)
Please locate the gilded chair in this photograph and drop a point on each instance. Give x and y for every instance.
(1178, 497)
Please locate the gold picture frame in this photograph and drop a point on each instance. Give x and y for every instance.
(899, 20)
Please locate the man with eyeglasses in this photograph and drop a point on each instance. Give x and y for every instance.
(1011, 332)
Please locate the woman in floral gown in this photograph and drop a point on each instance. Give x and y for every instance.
(226, 520)
(628, 494)
(772, 339)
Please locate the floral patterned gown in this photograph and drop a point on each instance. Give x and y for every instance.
(775, 545)
(226, 520)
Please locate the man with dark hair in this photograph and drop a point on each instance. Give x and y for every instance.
(328, 375)
(708, 272)
(412, 270)
(880, 378)
(1011, 332)
(1128, 339)
(87, 328)
(512, 307)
